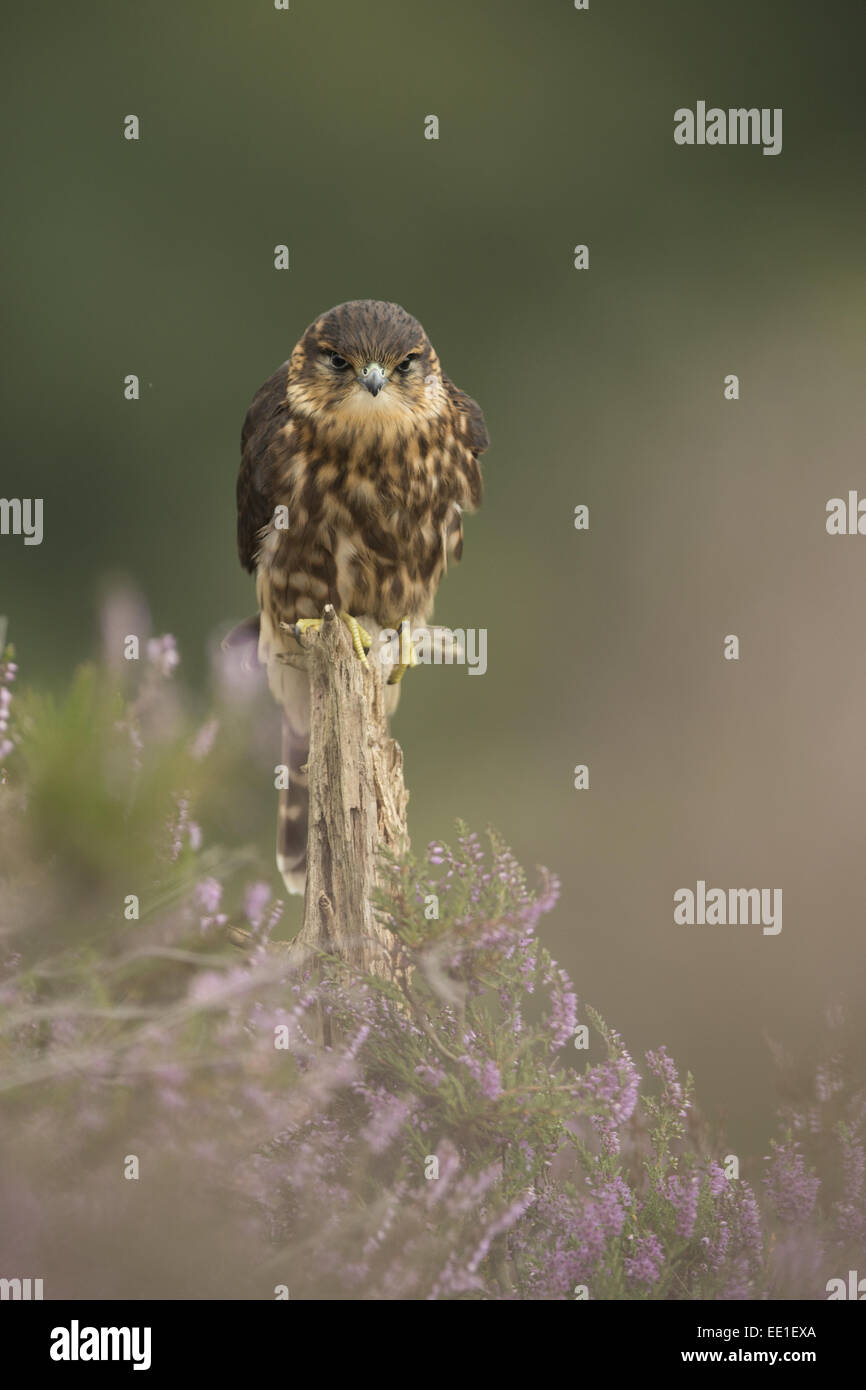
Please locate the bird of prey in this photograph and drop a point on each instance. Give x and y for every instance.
(358, 458)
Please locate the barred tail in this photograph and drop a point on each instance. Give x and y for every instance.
(293, 813)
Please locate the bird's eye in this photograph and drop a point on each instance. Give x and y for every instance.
(337, 361)
(403, 367)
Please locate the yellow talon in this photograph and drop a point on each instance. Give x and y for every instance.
(361, 639)
(407, 659)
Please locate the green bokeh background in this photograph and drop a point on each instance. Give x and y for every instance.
(603, 387)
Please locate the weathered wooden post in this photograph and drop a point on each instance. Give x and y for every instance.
(357, 798)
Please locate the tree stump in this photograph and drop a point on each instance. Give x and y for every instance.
(357, 799)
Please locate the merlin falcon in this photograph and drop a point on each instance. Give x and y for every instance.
(358, 458)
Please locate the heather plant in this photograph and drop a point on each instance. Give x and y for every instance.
(190, 1110)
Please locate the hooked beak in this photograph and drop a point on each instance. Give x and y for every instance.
(373, 378)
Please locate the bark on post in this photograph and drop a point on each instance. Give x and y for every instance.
(357, 799)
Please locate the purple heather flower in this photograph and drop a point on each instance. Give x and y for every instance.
(644, 1265)
(387, 1116)
(357, 1043)
(8, 670)
(850, 1210)
(717, 1178)
(502, 1223)
(616, 1084)
(716, 1247)
(430, 1072)
(162, 653)
(683, 1196)
(485, 1071)
(663, 1066)
(491, 1081)
(256, 899)
(607, 1132)
(612, 1198)
(563, 1010)
(208, 894)
(745, 1218)
(790, 1187)
(449, 1168)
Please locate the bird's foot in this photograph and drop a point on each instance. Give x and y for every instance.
(361, 639)
(407, 654)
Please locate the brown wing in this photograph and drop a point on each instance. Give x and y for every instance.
(261, 431)
(469, 413)
(471, 432)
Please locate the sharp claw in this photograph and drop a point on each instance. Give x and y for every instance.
(400, 670)
(358, 635)
(361, 639)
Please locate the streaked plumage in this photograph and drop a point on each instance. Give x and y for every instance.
(374, 454)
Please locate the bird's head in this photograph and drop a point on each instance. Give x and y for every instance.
(366, 366)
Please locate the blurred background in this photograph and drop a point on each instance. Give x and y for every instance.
(602, 387)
